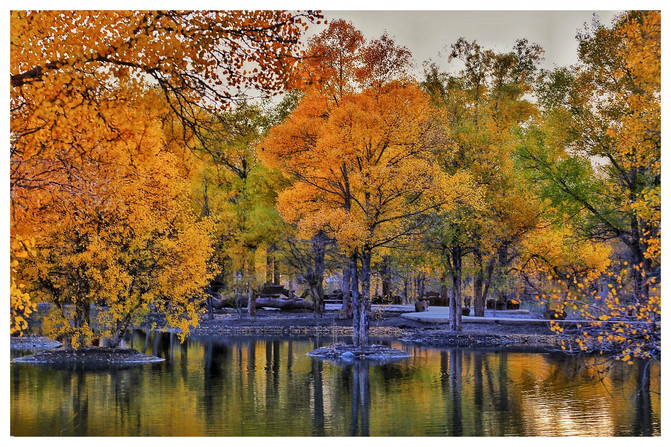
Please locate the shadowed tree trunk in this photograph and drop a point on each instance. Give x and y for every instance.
(276, 266)
(269, 264)
(316, 276)
(386, 275)
(454, 260)
(364, 300)
(359, 301)
(347, 287)
(481, 283)
(444, 287)
(250, 274)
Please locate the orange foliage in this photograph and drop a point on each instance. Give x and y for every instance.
(120, 235)
(362, 168)
(96, 181)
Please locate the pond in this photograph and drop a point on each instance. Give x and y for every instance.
(255, 386)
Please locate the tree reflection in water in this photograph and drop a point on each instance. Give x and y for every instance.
(360, 422)
(266, 386)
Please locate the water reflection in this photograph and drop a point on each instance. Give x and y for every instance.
(240, 386)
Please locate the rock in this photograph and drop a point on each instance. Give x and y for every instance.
(421, 306)
(351, 353)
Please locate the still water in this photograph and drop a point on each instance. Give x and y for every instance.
(252, 386)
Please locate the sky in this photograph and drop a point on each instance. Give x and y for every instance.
(429, 34)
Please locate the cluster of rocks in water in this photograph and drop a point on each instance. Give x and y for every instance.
(392, 325)
(349, 353)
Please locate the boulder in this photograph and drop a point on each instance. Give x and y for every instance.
(421, 305)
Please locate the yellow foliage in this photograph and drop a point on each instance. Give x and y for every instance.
(361, 166)
(95, 181)
(115, 230)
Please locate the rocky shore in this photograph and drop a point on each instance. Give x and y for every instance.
(523, 337)
(389, 324)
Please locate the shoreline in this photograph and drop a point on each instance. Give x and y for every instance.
(494, 335)
(480, 335)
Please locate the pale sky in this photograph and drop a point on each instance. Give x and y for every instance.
(427, 34)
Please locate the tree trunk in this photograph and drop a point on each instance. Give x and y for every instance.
(356, 297)
(317, 283)
(251, 272)
(478, 298)
(361, 301)
(642, 275)
(361, 336)
(488, 281)
(386, 275)
(269, 264)
(81, 318)
(251, 300)
(421, 285)
(121, 327)
(206, 199)
(444, 287)
(346, 287)
(455, 302)
(276, 266)
(406, 291)
(481, 283)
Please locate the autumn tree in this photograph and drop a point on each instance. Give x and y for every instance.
(481, 106)
(333, 60)
(56, 74)
(122, 236)
(74, 73)
(451, 231)
(199, 59)
(360, 166)
(239, 192)
(605, 116)
(596, 156)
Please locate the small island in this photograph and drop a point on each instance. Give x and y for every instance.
(89, 357)
(348, 353)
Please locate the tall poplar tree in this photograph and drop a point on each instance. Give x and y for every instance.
(357, 149)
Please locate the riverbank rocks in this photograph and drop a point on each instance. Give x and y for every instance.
(349, 353)
(32, 342)
(89, 357)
